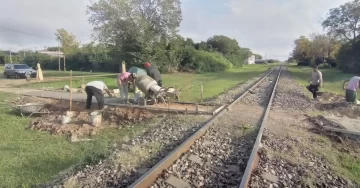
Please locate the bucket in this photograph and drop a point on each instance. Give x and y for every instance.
(95, 118)
(65, 120)
(70, 114)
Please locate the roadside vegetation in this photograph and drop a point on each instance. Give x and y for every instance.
(213, 83)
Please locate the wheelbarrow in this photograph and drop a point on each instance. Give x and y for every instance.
(32, 109)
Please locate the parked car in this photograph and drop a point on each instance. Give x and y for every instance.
(18, 71)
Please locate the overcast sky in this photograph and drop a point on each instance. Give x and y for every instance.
(267, 27)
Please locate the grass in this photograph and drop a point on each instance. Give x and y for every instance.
(213, 83)
(333, 79)
(33, 157)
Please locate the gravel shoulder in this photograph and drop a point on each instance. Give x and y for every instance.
(296, 151)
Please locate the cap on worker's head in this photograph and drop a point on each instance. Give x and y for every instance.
(315, 67)
(147, 64)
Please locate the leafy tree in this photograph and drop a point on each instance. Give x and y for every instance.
(175, 53)
(133, 28)
(257, 56)
(344, 21)
(323, 47)
(302, 48)
(203, 46)
(68, 43)
(223, 44)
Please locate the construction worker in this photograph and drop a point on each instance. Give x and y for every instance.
(96, 88)
(350, 90)
(136, 71)
(315, 82)
(123, 82)
(154, 73)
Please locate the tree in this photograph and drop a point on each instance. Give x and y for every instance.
(344, 21)
(323, 47)
(301, 51)
(223, 44)
(133, 28)
(257, 56)
(68, 43)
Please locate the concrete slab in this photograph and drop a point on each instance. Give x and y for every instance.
(270, 177)
(176, 182)
(195, 159)
(352, 125)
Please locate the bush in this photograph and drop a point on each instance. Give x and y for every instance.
(324, 66)
(210, 62)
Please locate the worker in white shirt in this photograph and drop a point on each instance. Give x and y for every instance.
(315, 82)
(96, 88)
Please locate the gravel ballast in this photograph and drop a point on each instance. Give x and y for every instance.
(293, 156)
(223, 151)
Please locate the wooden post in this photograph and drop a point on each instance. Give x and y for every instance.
(201, 92)
(70, 90)
(123, 67)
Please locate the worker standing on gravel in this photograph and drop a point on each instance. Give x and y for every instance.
(154, 73)
(96, 88)
(350, 90)
(315, 82)
(123, 82)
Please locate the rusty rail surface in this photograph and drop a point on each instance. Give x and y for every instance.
(254, 157)
(149, 178)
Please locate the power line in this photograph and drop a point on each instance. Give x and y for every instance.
(26, 33)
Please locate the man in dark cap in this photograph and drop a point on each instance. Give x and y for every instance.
(153, 72)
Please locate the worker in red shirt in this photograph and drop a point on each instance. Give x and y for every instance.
(154, 73)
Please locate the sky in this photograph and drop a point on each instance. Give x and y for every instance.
(267, 27)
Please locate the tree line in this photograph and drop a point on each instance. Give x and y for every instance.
(141, 31)
(339, 46)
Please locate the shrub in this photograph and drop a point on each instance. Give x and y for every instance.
(210, 61)
(324, 66)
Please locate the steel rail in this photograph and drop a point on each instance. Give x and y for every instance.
(254, 157)
(149, 178)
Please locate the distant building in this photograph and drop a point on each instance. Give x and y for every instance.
(251, 59)
(52, 53)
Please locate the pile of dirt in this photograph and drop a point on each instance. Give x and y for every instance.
(327, 97)
(79, 127)
(320, 122)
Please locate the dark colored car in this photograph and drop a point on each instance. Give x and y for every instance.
(18, 71)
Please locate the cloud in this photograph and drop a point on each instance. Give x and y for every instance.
(38, 20)
(268, 27)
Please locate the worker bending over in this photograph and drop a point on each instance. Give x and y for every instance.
(96, 88)
(350, 92)
(154, 73)
(138, 72)
(315, 82)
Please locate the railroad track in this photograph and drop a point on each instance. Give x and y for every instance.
(223, 152)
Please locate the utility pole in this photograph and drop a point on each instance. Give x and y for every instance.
(10, 57)
(23, 50)
(59, 56)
